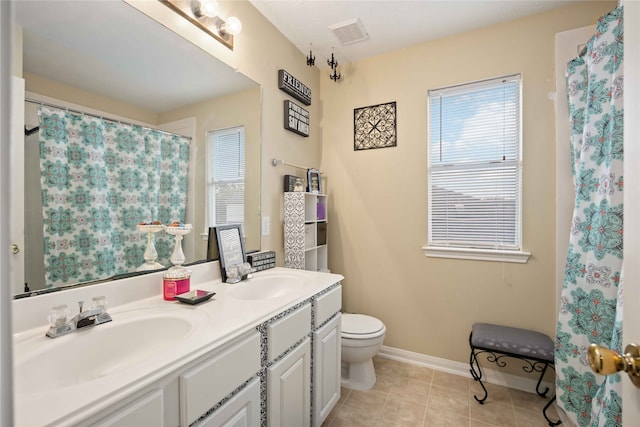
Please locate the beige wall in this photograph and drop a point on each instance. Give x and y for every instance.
(378, 198)
(259, 52)
(238, 109)
(59, 91)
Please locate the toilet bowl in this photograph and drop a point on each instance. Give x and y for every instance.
(362, 337)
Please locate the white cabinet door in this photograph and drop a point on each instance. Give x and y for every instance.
(326, 369)
(242, 410)
(289, 389)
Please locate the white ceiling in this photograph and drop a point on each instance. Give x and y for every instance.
(112, 49)
(391, 24)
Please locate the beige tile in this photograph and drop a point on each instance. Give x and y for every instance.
(348, 417)
(476, 423)
(455, 382)
(439, 418)
(390, 367)
(344, 393)
(523, 399)
(411, 396)
(412, 390)
(404, 412)
(498, 414)
(420, 373)
(384, 382)
(331, 416)
(529, 417)
(446, 400)
(388, 423)
(496, 393)
(370, 402)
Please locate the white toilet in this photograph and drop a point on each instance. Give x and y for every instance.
(362, 337)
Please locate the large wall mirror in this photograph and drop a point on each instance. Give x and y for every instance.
(109, 60)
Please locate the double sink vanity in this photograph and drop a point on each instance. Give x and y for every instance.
(263, 352)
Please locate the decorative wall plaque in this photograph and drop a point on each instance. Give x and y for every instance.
(374, 126)
(294, 87)
(296, 118)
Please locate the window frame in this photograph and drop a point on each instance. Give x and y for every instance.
(459, 250)
(210, 180)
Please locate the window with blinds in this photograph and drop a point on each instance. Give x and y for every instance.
(225, 176)
(474, 175)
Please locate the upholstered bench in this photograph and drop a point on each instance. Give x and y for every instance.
(534, 348)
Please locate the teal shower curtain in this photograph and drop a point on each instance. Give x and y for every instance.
(99, 179)
(591, 301)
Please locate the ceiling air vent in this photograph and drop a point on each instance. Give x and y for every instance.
(349, 32)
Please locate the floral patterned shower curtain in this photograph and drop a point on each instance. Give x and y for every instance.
(591, 301)
(99, 180)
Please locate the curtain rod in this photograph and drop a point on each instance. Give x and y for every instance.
(48, 104)
(276, 162)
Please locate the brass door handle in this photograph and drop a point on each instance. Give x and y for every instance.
(606, 362)
(15, 248)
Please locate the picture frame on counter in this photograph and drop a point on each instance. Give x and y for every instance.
(314, 181)
(290, 183)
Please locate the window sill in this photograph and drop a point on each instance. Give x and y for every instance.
(477, 254)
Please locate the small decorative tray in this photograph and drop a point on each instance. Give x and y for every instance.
(194, 297)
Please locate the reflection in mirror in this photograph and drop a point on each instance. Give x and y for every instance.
(109, 60)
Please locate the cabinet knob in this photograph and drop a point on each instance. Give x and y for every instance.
(15, 248)
(606, 362)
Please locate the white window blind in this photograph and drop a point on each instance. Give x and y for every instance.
(225, 176)
(474, 175)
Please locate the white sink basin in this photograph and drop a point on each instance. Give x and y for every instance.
(44, 364)
(267, 287)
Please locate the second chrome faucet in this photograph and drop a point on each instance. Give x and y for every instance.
(61, 324)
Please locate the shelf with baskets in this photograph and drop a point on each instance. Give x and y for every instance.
(305, 231)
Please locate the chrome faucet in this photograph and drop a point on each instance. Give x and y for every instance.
(61, 324)
(238, 272)
(95, 316)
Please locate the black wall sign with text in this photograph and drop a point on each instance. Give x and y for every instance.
(294, 87)
(296, 118)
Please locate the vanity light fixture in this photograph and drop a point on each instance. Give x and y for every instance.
(204, 15)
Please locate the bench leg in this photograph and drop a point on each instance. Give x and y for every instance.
(476, 373)
(546, 389)
(546, 417)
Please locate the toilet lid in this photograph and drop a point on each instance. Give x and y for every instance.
(360, 324)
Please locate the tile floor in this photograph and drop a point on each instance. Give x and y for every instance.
(412, 396)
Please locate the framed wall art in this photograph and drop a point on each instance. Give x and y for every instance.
(374, 126)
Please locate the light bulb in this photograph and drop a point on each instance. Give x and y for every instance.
(233, 26)
(205, 8)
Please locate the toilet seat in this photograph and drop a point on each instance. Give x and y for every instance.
(361, 327)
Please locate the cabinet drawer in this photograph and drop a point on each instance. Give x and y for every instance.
(327, 305)
(146, 411)
(284, 333)
(208, 383)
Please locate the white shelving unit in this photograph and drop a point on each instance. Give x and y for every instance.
(305, 231)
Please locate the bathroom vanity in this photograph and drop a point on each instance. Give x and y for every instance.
(263, 352)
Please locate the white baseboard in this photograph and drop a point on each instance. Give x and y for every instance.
(490, 375)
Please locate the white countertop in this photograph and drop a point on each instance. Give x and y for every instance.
(220, 319)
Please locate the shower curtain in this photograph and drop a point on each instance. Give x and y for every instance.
(99, 179)
(591, 301)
